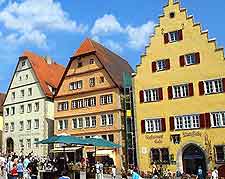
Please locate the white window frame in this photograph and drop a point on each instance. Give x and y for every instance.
(64, 125)
(103, 119)
(28, 143)
(186, 122)
(6, 127)
(29, 108)
(36, 123)
(213, 86)
(93, 121)
(29, 91)
(161, 65)
(173, 36)
(63, 106)
(106, 99)
(12, 126)
(76, 85)
(92, 101)
(21, 126)
(153, 125)
(180, 91)
(108, 119)
(190, 59)
(36, 106)
(86, 119)
(29, 125)
(220, 119)
(151, 95)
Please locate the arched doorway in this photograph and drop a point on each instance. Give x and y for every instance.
(9, 145)
(193, 157)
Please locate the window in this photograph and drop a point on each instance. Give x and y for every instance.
(173, 36)
(20, 78)
(80, 122)
(76, 85)
(103, 120)
(12, 126)
(13, 95)
(23, 63)
(107, 119)
(92, 61)
(22, 93)
(220, 153)
(79, 64)
(104, 137)
(21, 126)
(29, 91)
(21, 109)
(21, 143)
(187, 122)
(151, 95)
(82, 103)
(180, 91)
(29, 108)
(87, 122)
(28, 124)
(36, 123)
(35, 141)
(6, 127)
(106, 99)
(75, 123)
(36, 106)
(6, 111)
(92, 101)
(28, 143)
(63, 106)
(160, 155)
(92, 82)
(93, 121)
(190, 59)
(110, 119)
(12, 110)
(155, 154)
(217, 119)
(213, 86)
(26, 76)
(62, 124)
(165, 155)
(111, 137)
(172, 15)
(153, 125)
(161, 65)
(102, 79)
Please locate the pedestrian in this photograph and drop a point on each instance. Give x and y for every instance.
(32, 168)
(20, 169)
(215, 174)
(64, 175)
(200, 173)
(113, 171)
(9, 167)
(97, 170)
(25, 164)
(14, 173)
(101, 167)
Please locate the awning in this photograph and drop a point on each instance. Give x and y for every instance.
(67, 149)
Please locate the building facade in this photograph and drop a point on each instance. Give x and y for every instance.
(179, 97)
(2, 98)
(29, 106)
(89, 100)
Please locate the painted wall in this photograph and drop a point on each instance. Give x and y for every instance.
(212, 66)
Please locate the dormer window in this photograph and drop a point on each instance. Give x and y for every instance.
(91, 61)
(23, 63)
(79, 64)
(160, 65)
(174, 36)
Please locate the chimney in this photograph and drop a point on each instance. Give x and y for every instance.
(48, 59)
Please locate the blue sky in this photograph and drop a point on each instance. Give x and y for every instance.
(56, 28)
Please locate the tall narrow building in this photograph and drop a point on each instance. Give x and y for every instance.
(2, 98)
(29, 105)
(89, 100)
(179, 97)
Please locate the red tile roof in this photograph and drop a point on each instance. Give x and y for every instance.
(113, 63)
(2, 98)
(47, 74)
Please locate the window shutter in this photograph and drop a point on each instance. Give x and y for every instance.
(223, 80)
(160, 91)
(180, 35)
(166, 38)
(154, 69)
(202, 121)
(167, 64)
(191, 89)
(207, 120)
(141, 94)
(170, 92)
(163, 123)
(172, 123)
(182, 61)
(142, 126)
(201, 88)
(197, 58)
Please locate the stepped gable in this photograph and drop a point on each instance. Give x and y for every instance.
(47, 74)
(113, 63)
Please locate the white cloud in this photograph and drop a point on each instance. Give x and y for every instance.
(33, 18)
(2, 1)
(106, 24)
(114, 46)
(137, 36)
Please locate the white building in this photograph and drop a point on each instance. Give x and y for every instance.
(29, 106)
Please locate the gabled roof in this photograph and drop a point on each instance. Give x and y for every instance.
(2, 98)
(113, 63)
(47, 74)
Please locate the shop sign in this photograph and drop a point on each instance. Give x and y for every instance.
(192, 134)
(156, 138)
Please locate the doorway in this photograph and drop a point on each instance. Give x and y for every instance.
(193, 157)
(9, 145)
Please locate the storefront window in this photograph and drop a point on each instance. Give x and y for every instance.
(220, 154)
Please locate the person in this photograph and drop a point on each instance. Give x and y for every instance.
(215, 174)
(25, 164)
(97, 169)
(64, 175)
(2, 164)
(14, 173)
(114, 172)
(200, 173)
(154, 171)
(101, 167)
(20, 169)
(32, 168)
(9, 167)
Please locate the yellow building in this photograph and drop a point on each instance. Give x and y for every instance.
(179, 97)
(89, 100)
